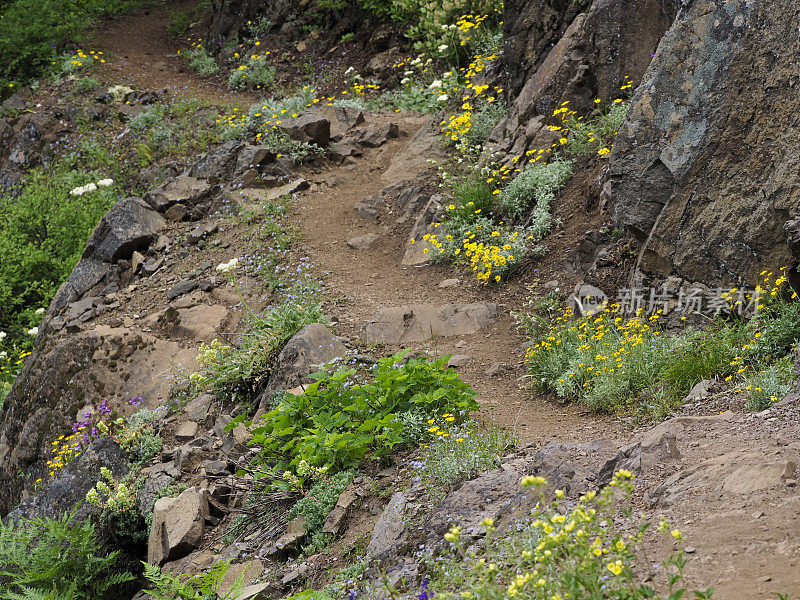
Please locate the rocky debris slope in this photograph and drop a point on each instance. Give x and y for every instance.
(145, 293)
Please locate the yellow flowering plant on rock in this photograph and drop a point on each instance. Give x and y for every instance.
(586, 550)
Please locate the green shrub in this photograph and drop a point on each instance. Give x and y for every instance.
(612, 363)
(205, 586)
(535, 188)
(339, 420)
(255, 74)
(179, 23)
(55, 559)
(201, 62)
(43, 231)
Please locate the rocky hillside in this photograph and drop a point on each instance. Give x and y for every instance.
(378, 299)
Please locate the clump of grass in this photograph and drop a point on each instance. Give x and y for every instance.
(595, 134)
(232, 371)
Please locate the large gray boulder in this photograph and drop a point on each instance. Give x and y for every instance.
(312, 346)
(309, 127)
(185, 190)
(704, 170)
(178, 526)
(559, 53)
(129, 225)
(69, 487)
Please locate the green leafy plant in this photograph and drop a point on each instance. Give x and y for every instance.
(318, 502)
(43, 229)
(205, 586)
(55, 559)
(535, 188)
(586, 549)
(256, 73)
(201, 62)
(339, 420)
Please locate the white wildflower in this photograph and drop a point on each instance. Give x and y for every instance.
(90, 187)
(228, 266)
(78, 191)
(408, 73)
(442, 98)
(443, 48)
(33, 331)
(40, 311)
(105, 183)
(437, 83)
(3, 334)
(405, 81)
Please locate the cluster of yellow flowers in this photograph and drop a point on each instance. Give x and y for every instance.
(65, 450)
(592, 541)
(486, 258)
(606, 338)
(489, 261)
(9, 364)
(458, 125)
(360, 89)
(447, 420)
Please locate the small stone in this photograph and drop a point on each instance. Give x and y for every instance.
(448, 283)
(178, 526)
(186, 431)
(495, 369)
(368, 241)
(137, 259)
(458, 360)
(216, 468)
(179, 289)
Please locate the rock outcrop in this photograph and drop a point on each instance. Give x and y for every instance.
(704, 171)
(562, 54)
